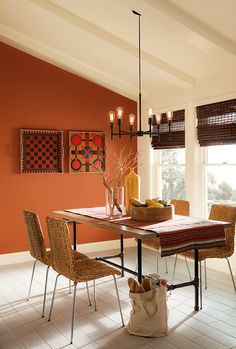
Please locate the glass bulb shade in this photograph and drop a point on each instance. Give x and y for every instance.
(150, 112)
(169, 115)
(131, 119)
(158, 118)
(111, 116)
(119, 112)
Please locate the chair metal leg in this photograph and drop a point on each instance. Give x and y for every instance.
(31, 281)
(173, 276)
(230, 269)
(205, 273)
(45, 291)
(94, 295)
(166, 265)
(118, 297)
(89, 299)
(200, 283)
(53, 296)
(73, 313)
(189, 273)
(69, 286)
(157, 263)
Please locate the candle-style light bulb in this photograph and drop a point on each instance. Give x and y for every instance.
(150, 116)
(150, 112)
(169, 115)
(111, 116)
(131, 119)
(158, 118)
(119, 112)
(112, 119)
(131, 125)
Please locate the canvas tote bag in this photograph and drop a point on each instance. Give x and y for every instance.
(149, 314)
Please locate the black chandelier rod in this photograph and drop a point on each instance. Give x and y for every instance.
(139, 69)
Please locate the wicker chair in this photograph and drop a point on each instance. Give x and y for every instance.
(38, 249)
(181, 208)
(64, 263)
(222, 213)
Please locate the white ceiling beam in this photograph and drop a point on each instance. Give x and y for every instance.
(50, 55)
(194, 24)
(172, 73)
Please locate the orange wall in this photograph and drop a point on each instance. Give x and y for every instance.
(35, 94)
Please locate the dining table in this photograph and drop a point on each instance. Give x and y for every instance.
(182, 233)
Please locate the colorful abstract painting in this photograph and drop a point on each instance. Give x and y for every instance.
(87, 151)
(41, 151)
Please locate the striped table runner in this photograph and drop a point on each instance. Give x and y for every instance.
(176, 235)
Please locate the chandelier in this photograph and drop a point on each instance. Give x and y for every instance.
(152, 118)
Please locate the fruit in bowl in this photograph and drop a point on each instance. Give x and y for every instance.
(157, 203)
(157, 210)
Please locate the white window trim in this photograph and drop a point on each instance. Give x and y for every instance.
(207, 165)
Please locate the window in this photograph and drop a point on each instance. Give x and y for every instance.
(170, 157)
(220, 165)
(217, 133)
(172, 173)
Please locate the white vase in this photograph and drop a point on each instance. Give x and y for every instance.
(115, 202)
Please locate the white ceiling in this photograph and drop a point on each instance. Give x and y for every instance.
(182, 40)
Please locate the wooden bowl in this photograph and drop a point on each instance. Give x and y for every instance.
(152, 214)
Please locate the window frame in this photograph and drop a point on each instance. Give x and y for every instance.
(157, 189)
(208, 165)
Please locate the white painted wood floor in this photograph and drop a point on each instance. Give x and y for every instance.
(21, 325)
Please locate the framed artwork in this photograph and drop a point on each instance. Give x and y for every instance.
(87, 151)
(41, 151)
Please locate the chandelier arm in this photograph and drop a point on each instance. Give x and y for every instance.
(136, 133)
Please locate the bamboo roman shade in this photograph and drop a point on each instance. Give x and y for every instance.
(217, 123)
(175, 139)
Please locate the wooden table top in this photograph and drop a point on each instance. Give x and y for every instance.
(107, 225)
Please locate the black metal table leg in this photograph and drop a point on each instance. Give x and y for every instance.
(139, 251)
(74, 235)
(122, 253)
(196, 280)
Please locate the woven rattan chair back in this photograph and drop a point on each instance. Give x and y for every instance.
(35, 236)
(226, 214)
(62, 257)
(181, 207)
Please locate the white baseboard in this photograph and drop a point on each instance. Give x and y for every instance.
(21, 257)
(18, 257)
